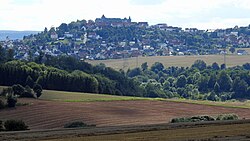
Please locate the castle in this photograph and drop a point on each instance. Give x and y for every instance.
(103, 21)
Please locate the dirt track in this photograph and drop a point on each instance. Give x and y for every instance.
(49, 115)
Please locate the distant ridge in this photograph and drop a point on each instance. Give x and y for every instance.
(13, 35)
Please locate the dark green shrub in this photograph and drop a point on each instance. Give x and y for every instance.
(1, 126)
(228, 117)
(18, 89)
(38, 90)
(76, 124)
(11, 100)
(28, 93)
(15, 125)
(6, 91)
(192, 119)
(2, 105)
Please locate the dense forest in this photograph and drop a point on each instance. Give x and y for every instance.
(68, 74)
(200, 81)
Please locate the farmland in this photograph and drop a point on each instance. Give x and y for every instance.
(167, 61)
(56, 108)
(80, 97)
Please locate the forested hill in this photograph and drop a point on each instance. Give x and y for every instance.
(90, 40)
(68, 74)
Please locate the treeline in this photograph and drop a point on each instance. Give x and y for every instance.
(75, 76)
(201, 81)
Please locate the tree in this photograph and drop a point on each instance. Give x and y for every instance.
(181, 81)
(212, 96)
(157, 66)
(11, 100)
(144, 66)
(10, 54)
(216, 88)
(225, 81)
(29, 82)
(212, 81)
(134, 72)
(38, 90)
(203, 84)
(223, 66)
(200, 64)
(166, 85)
(215, 66)
(239, 87)
(232, 49)
(246, 66)
(2, 54)
(18, 89)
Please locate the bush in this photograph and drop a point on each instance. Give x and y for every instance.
(205, 118)
(227, 117)
(28, 93)
(18, 89)
(192, 119)
(2, 105)
(1, 126)
(15, 125)
(6, 91)
(38, 90)
(76, 124)
(11, 100)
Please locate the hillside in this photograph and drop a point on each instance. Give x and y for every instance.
(168, 61)
(103, 39)
(54, 110)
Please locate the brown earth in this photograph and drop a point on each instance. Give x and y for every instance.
(43, 114)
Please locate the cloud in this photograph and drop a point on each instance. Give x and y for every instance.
(37, 14)
(146, 2)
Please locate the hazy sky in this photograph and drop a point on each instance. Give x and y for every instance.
(203, 14)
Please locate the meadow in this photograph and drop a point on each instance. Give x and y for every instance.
(168, 61)
(47, 115)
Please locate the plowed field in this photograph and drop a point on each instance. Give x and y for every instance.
(42, 114)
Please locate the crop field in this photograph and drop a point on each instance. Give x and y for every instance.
(56, 108)
(83, 97)
(167, 61)
(233, 132)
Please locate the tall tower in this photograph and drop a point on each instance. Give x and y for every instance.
(129, 19)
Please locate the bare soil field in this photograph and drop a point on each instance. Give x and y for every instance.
(206, 131)
(42, 114)
(167, 61)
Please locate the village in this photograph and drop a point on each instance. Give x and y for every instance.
(116, 38)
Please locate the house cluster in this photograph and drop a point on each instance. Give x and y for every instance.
(86, 42)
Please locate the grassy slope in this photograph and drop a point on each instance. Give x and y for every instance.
(167, 61)
(87, 97)
(82, 97)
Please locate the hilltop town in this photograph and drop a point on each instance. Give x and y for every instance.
(113, 38)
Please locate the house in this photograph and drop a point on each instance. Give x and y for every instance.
(191, 30)
(234, 33)
(242, 52)
(68, 35)
(53, 36)
(142, 24)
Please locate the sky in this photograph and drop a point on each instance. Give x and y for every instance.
(202, 14)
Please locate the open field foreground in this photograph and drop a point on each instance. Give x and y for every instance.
(222, 130)
(42, 114)
(167, 61)
(123, 118)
